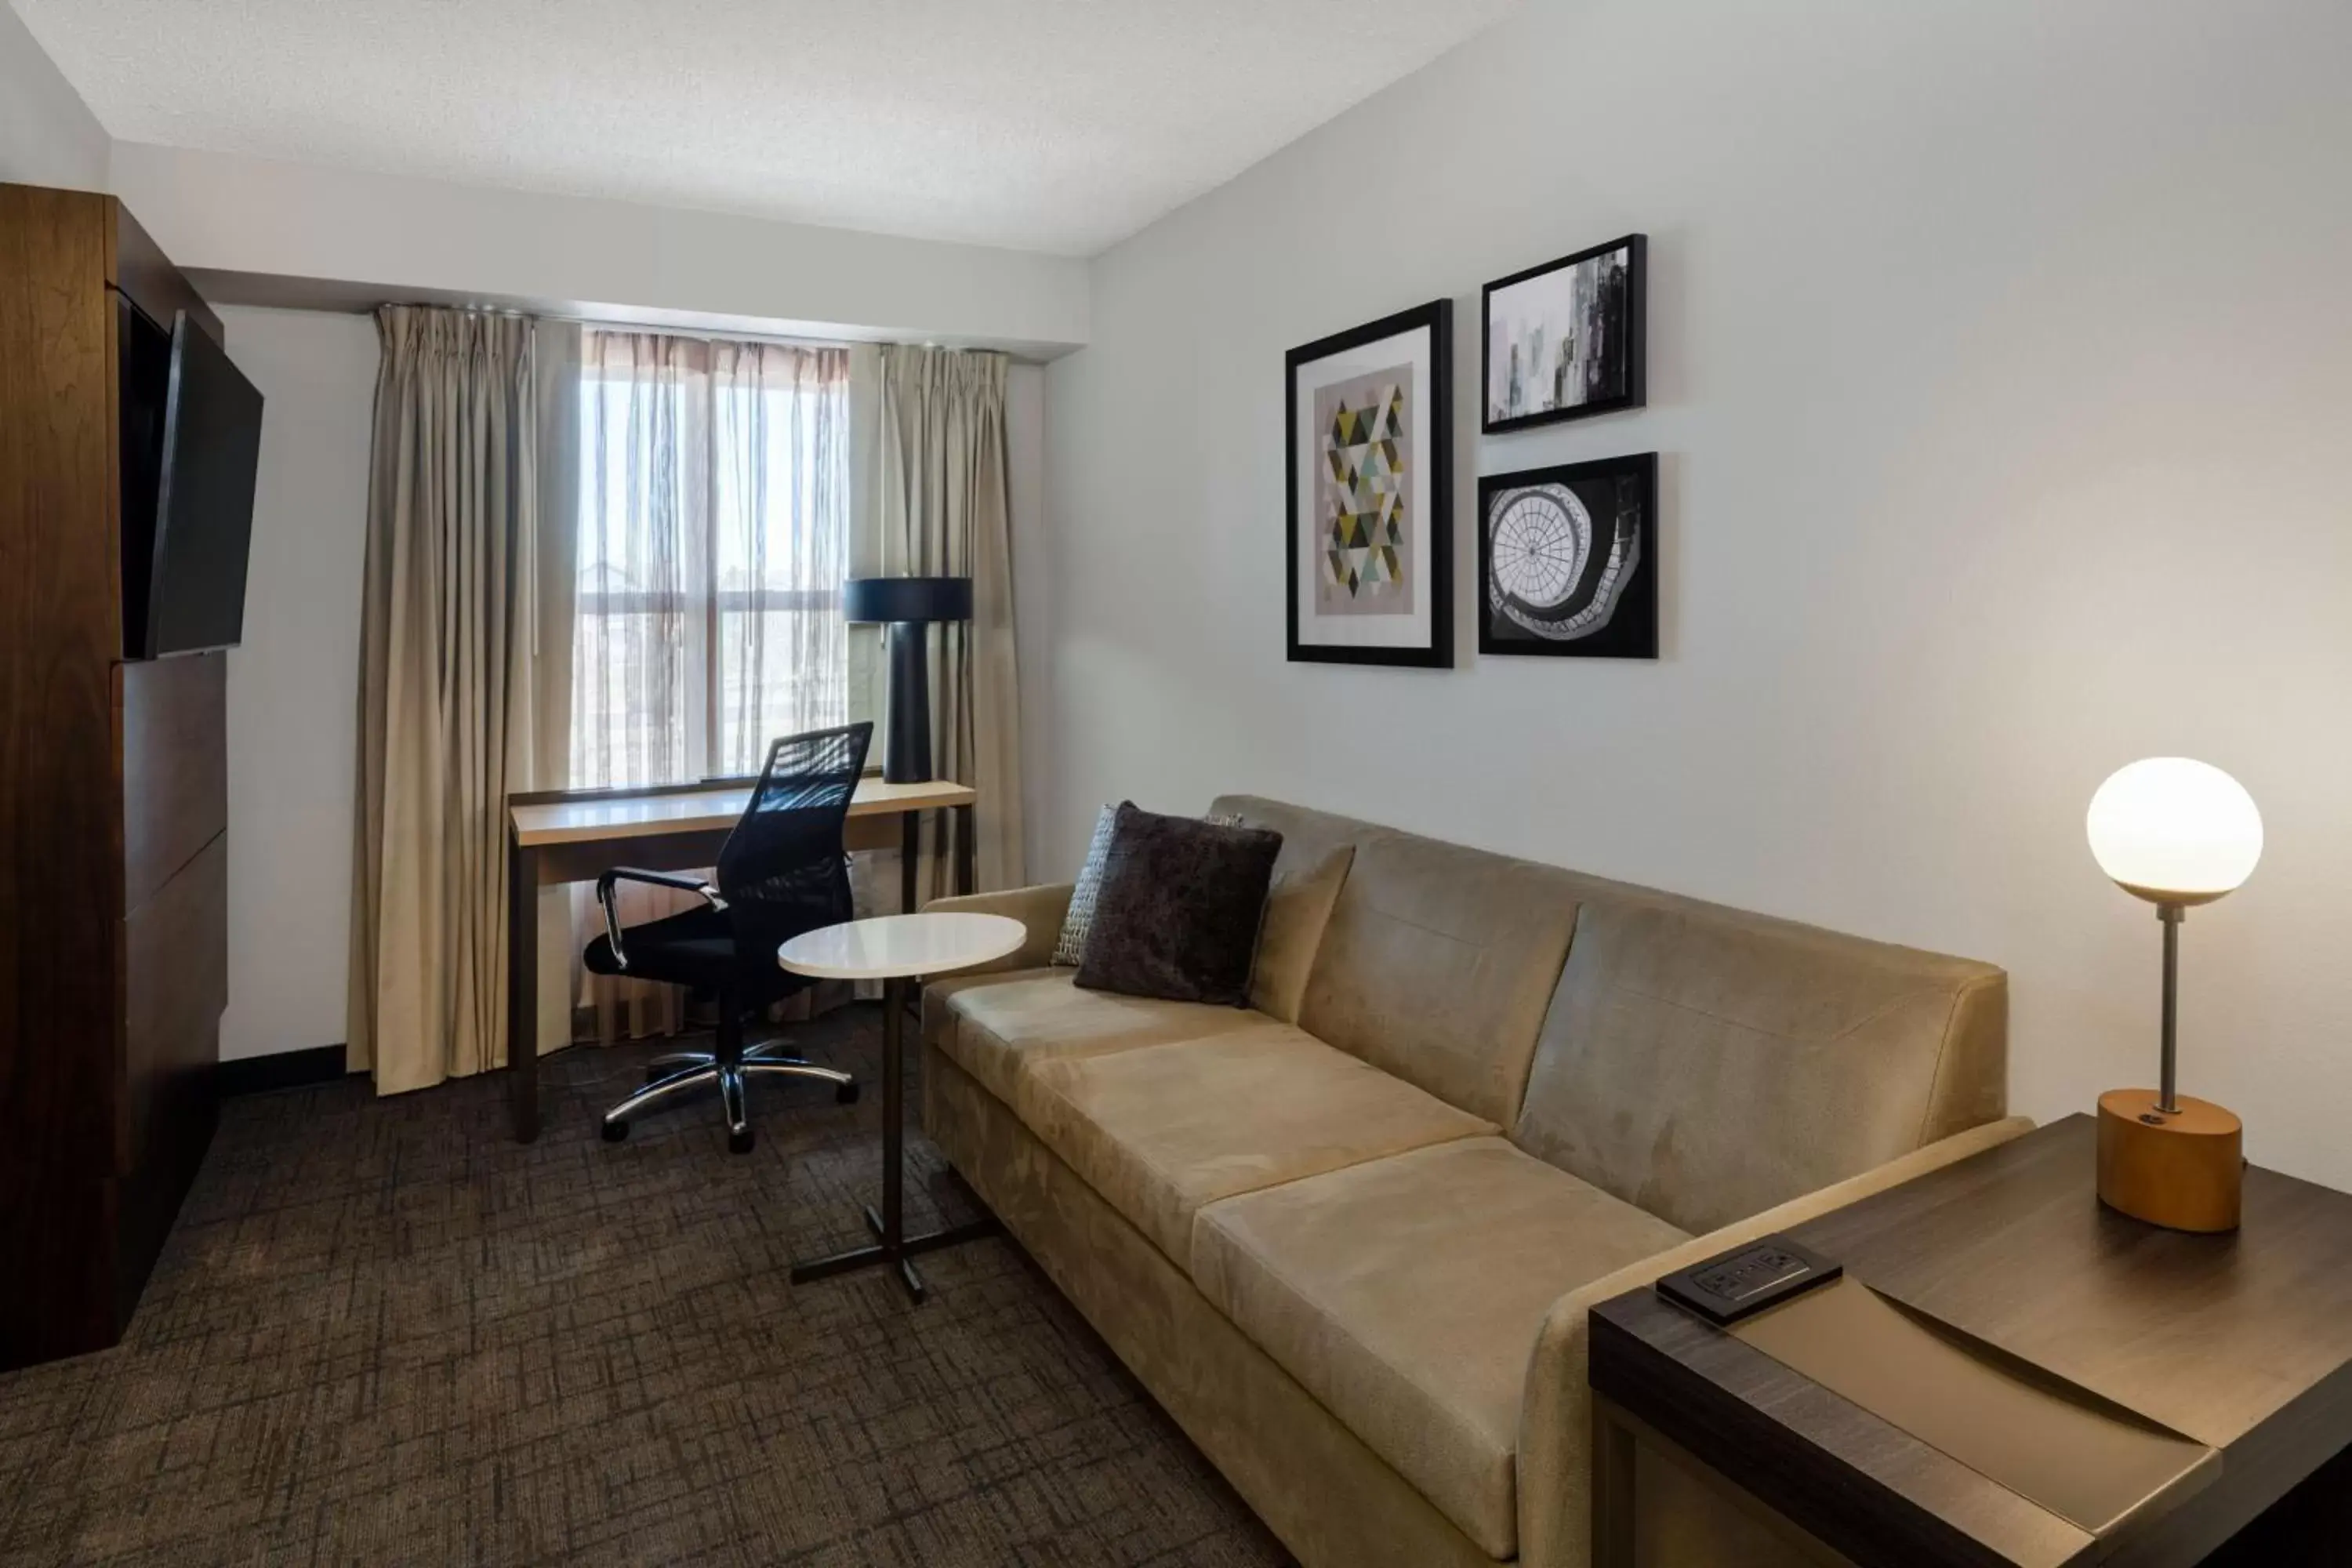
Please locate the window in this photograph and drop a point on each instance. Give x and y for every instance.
(714, 538)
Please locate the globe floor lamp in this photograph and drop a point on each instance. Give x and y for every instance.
(2176, 833)
(907, 605)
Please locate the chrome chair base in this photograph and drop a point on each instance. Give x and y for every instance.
(692, 1070)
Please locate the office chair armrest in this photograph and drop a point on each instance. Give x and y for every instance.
(605, 885)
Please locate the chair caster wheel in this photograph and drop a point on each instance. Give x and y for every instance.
(846, 1094)
(615, 1132)
(740, 1143)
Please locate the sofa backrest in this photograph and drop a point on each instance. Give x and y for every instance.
(1706, 1064)
(1700, 1062)
(1437, 961)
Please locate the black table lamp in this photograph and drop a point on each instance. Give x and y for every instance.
(906, 605)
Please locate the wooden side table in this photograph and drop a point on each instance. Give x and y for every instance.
(895, 950)
(2012, 1373)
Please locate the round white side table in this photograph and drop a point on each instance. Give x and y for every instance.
(896, 949)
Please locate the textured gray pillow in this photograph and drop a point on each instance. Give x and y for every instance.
(1179, 910)
(1071, 945)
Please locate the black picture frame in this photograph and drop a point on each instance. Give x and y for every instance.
(1623, 493)
(1635, 391)
(1436, 539)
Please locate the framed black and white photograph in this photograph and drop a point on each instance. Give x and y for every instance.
(1564, 340)
(1369, 556)
(1567, 560)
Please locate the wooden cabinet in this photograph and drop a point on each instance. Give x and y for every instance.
(113, 799)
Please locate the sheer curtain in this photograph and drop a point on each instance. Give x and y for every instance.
(714, 538)
(713, 541)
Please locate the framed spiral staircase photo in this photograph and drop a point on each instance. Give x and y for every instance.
(1567, 560)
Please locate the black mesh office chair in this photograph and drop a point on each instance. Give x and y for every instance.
(781, 871)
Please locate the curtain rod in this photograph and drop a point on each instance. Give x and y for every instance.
(665, 330)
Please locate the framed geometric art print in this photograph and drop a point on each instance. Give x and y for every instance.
(1565, 340)
(1567, 560)
(1369, 553)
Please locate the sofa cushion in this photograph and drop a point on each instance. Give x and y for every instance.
(1298, 908)
(939, 995)
(1706, 1063)
(1437, 964)
(1307, 834)
(1162, 1129)
(1406, 1294)
(995, 1026)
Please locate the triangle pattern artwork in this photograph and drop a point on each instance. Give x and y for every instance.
(1363, 495)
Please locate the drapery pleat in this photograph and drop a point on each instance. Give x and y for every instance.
(933, 498)
(555, 349)
(448, 690)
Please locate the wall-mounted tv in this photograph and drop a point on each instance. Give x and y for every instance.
(211, 446)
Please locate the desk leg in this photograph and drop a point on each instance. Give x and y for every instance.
(522, 987)
(910, 849)
(892, 1244)
(967, 852)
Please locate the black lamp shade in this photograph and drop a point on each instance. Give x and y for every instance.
(907, 599)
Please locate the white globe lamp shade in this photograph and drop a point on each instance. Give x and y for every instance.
(2175, 831)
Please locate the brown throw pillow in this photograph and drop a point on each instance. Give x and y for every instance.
(1179, 911)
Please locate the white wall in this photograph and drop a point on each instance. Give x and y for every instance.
(48, 136)
(2002, 372)
(293, 685)
(257, 231)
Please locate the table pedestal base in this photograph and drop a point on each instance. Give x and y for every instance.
(902, 1253)
(892, 1245)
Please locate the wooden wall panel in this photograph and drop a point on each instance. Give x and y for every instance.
(113, 899)
(141, 270)
(177, 983)
(59, 1296)
(60, 819)
(175, 766)
(61, 813)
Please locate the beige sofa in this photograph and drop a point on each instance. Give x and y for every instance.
(1348, 1236)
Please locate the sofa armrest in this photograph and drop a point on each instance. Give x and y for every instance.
(1039, 909)
(1556, 1413)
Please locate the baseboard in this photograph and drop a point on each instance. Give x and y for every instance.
(281, 1069)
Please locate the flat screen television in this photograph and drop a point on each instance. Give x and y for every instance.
(210, 449)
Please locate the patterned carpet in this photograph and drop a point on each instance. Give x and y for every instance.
(383, 1332)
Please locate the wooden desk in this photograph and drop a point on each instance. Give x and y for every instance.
(575, 835)
(2239, 1343)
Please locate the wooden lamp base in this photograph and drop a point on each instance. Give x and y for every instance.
(2182, 1168)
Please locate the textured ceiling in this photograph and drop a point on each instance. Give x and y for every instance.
(1060, 125)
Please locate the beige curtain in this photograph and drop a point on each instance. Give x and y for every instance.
(448, 690)
(712, 539)
(932, 498)
(555, 349)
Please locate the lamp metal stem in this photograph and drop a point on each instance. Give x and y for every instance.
(2170, 915)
